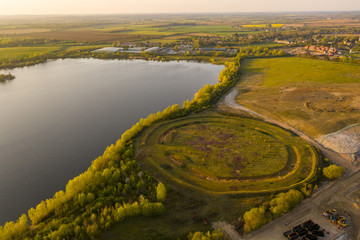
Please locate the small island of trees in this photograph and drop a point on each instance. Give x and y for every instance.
(6, 77)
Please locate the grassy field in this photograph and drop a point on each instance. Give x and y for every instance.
(258, 158)
(85, 47)
(22, 31)
(185, 212)
(131, 32)
(224, 150)
(18, 52)
(288, 71)
(209, 29)
(83, 35)
(317, 97)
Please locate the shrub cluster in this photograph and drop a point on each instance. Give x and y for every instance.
(333, 172)
(215, 235)
(279, 205)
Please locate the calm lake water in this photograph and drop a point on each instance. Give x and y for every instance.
(56, 117)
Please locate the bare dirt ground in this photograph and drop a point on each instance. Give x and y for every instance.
(343, 195)
(228, 229)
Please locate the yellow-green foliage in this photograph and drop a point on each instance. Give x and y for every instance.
(281, 204)
(255, 218)
(12, 230)
(285, 202)
(106, 217)
(333, 172)
(307, 189)
(277, 25)
(260, 51)
(25, 52)
(215, 235)
(161, 192)
(229, 70)
(255, 26)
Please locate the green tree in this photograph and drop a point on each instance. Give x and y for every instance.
(215, 235)
(333, 172)
(285, 202)
(255, 218)
(161, 192)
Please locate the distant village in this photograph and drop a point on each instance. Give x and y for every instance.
(316, 51)
(179, 49)
(222, 46)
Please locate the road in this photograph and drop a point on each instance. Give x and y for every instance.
(332, 195)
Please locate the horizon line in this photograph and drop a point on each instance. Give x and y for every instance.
(180, 13)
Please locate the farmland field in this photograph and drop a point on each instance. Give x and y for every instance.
(18, 52)
(258, 157)
(317, 97)
(81, 35)
(22, 31)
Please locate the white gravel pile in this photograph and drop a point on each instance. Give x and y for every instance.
(346, 142)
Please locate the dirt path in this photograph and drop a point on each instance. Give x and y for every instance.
(227, 229)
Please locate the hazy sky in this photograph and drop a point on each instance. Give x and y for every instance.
(169, 6)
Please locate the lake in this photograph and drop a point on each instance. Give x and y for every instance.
(56, 117)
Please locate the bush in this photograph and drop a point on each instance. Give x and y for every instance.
(215, 235)
(333, 172)
(161, 192)
(285, 202)
(255, 218)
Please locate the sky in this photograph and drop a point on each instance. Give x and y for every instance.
(14, 7)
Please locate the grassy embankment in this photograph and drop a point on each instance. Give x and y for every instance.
(317, 97)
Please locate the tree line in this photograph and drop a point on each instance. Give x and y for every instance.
(215, 235)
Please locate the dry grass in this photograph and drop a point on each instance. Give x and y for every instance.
(316, 97)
